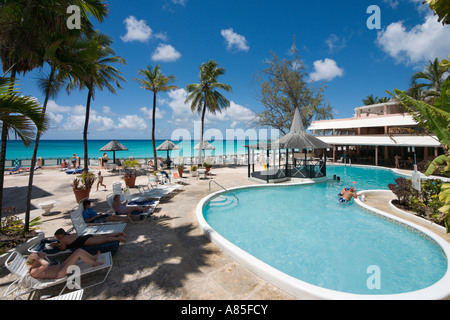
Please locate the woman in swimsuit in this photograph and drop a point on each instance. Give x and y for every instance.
(40, 268)
(68, 241)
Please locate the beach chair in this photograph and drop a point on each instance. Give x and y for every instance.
(16, 264)
(178, 179)
(74, 295)
(139, 202)
(82, 228)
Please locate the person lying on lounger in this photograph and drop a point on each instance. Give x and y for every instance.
(122, 209)
(68, 241)
(40, 268)
(348, 194)
(90, 216)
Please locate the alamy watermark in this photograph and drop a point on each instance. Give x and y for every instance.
(374, 21)
(74, 20)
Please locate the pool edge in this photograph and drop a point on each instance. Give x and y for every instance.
(303, 290)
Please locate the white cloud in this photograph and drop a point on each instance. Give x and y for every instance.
(75, 122)
(137, 30)
(423, 42)
(326, 70)
(234, 41)
(132, 122)
(166, 53)
(148, 113)
(181, 2)
(335, 43)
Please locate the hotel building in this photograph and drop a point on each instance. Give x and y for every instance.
(375, 134)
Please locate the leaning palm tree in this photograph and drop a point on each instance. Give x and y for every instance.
(19, 114)
(25, 26)
(431, 79)
(204, 96)
(153, 80)
(97, 74)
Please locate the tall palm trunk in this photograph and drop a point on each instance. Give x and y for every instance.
(3, 145)
(200, 146)
(34, 157)
(86, 124)
(153, 131)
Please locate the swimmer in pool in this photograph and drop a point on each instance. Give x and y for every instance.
(348, 194)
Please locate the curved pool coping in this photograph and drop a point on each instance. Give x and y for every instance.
(304, 290)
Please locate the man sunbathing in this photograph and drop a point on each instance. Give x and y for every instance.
(69, 241)
(122, 209)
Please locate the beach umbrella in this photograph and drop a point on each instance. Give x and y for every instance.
(205, 146)
(114, 146)
(298, 138)
(167, 146)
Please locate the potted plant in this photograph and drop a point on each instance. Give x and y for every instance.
(130, 167)
(207, 166)
(82, 186)
(194, 171)
(13, 236)
(180, 170)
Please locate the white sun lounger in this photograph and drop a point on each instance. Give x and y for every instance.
(16, 264)
(143, 215)
(82, 228)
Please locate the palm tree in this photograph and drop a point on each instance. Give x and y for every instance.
(154, 80)
(431, 79)
(97, 74)
(25, 26)
(204, 95)
(19, 114)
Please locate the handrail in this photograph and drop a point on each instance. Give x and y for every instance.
(222, 188)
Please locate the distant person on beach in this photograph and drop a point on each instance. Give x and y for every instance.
(74, 161)
(90, 216)
(122, 209)
(105, 160)
(40, 268)
(100, 180)
(64, 164)
(68, 241)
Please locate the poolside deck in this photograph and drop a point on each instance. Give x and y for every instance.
(167, 258)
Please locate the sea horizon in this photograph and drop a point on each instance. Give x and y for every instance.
(137, 148)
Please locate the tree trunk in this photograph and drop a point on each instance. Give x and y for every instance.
(33, 159)
(153, 131)
(86, 124)
(3, 147)
(200, 146)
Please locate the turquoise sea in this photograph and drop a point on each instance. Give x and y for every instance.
(64, 149)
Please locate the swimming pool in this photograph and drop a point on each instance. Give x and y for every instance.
(300, 238)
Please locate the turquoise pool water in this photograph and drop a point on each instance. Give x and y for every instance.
(306, 233)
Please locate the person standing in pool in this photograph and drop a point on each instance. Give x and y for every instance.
(348, 195)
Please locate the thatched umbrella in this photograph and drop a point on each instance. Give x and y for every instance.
(205, 146)
(167, 146)
(114, 146)
(297, 138)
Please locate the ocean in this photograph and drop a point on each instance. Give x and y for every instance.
(64, 149)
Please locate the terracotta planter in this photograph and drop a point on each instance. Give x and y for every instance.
(130, 181)
(80, 194)
(180, 172)
(208, 169)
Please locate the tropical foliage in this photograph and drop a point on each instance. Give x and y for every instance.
(370, 99)
(435, 119)
(441, 8)
(204, 96)
(153, 80)
(284, 87)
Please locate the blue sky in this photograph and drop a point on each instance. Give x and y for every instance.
(334, 42)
